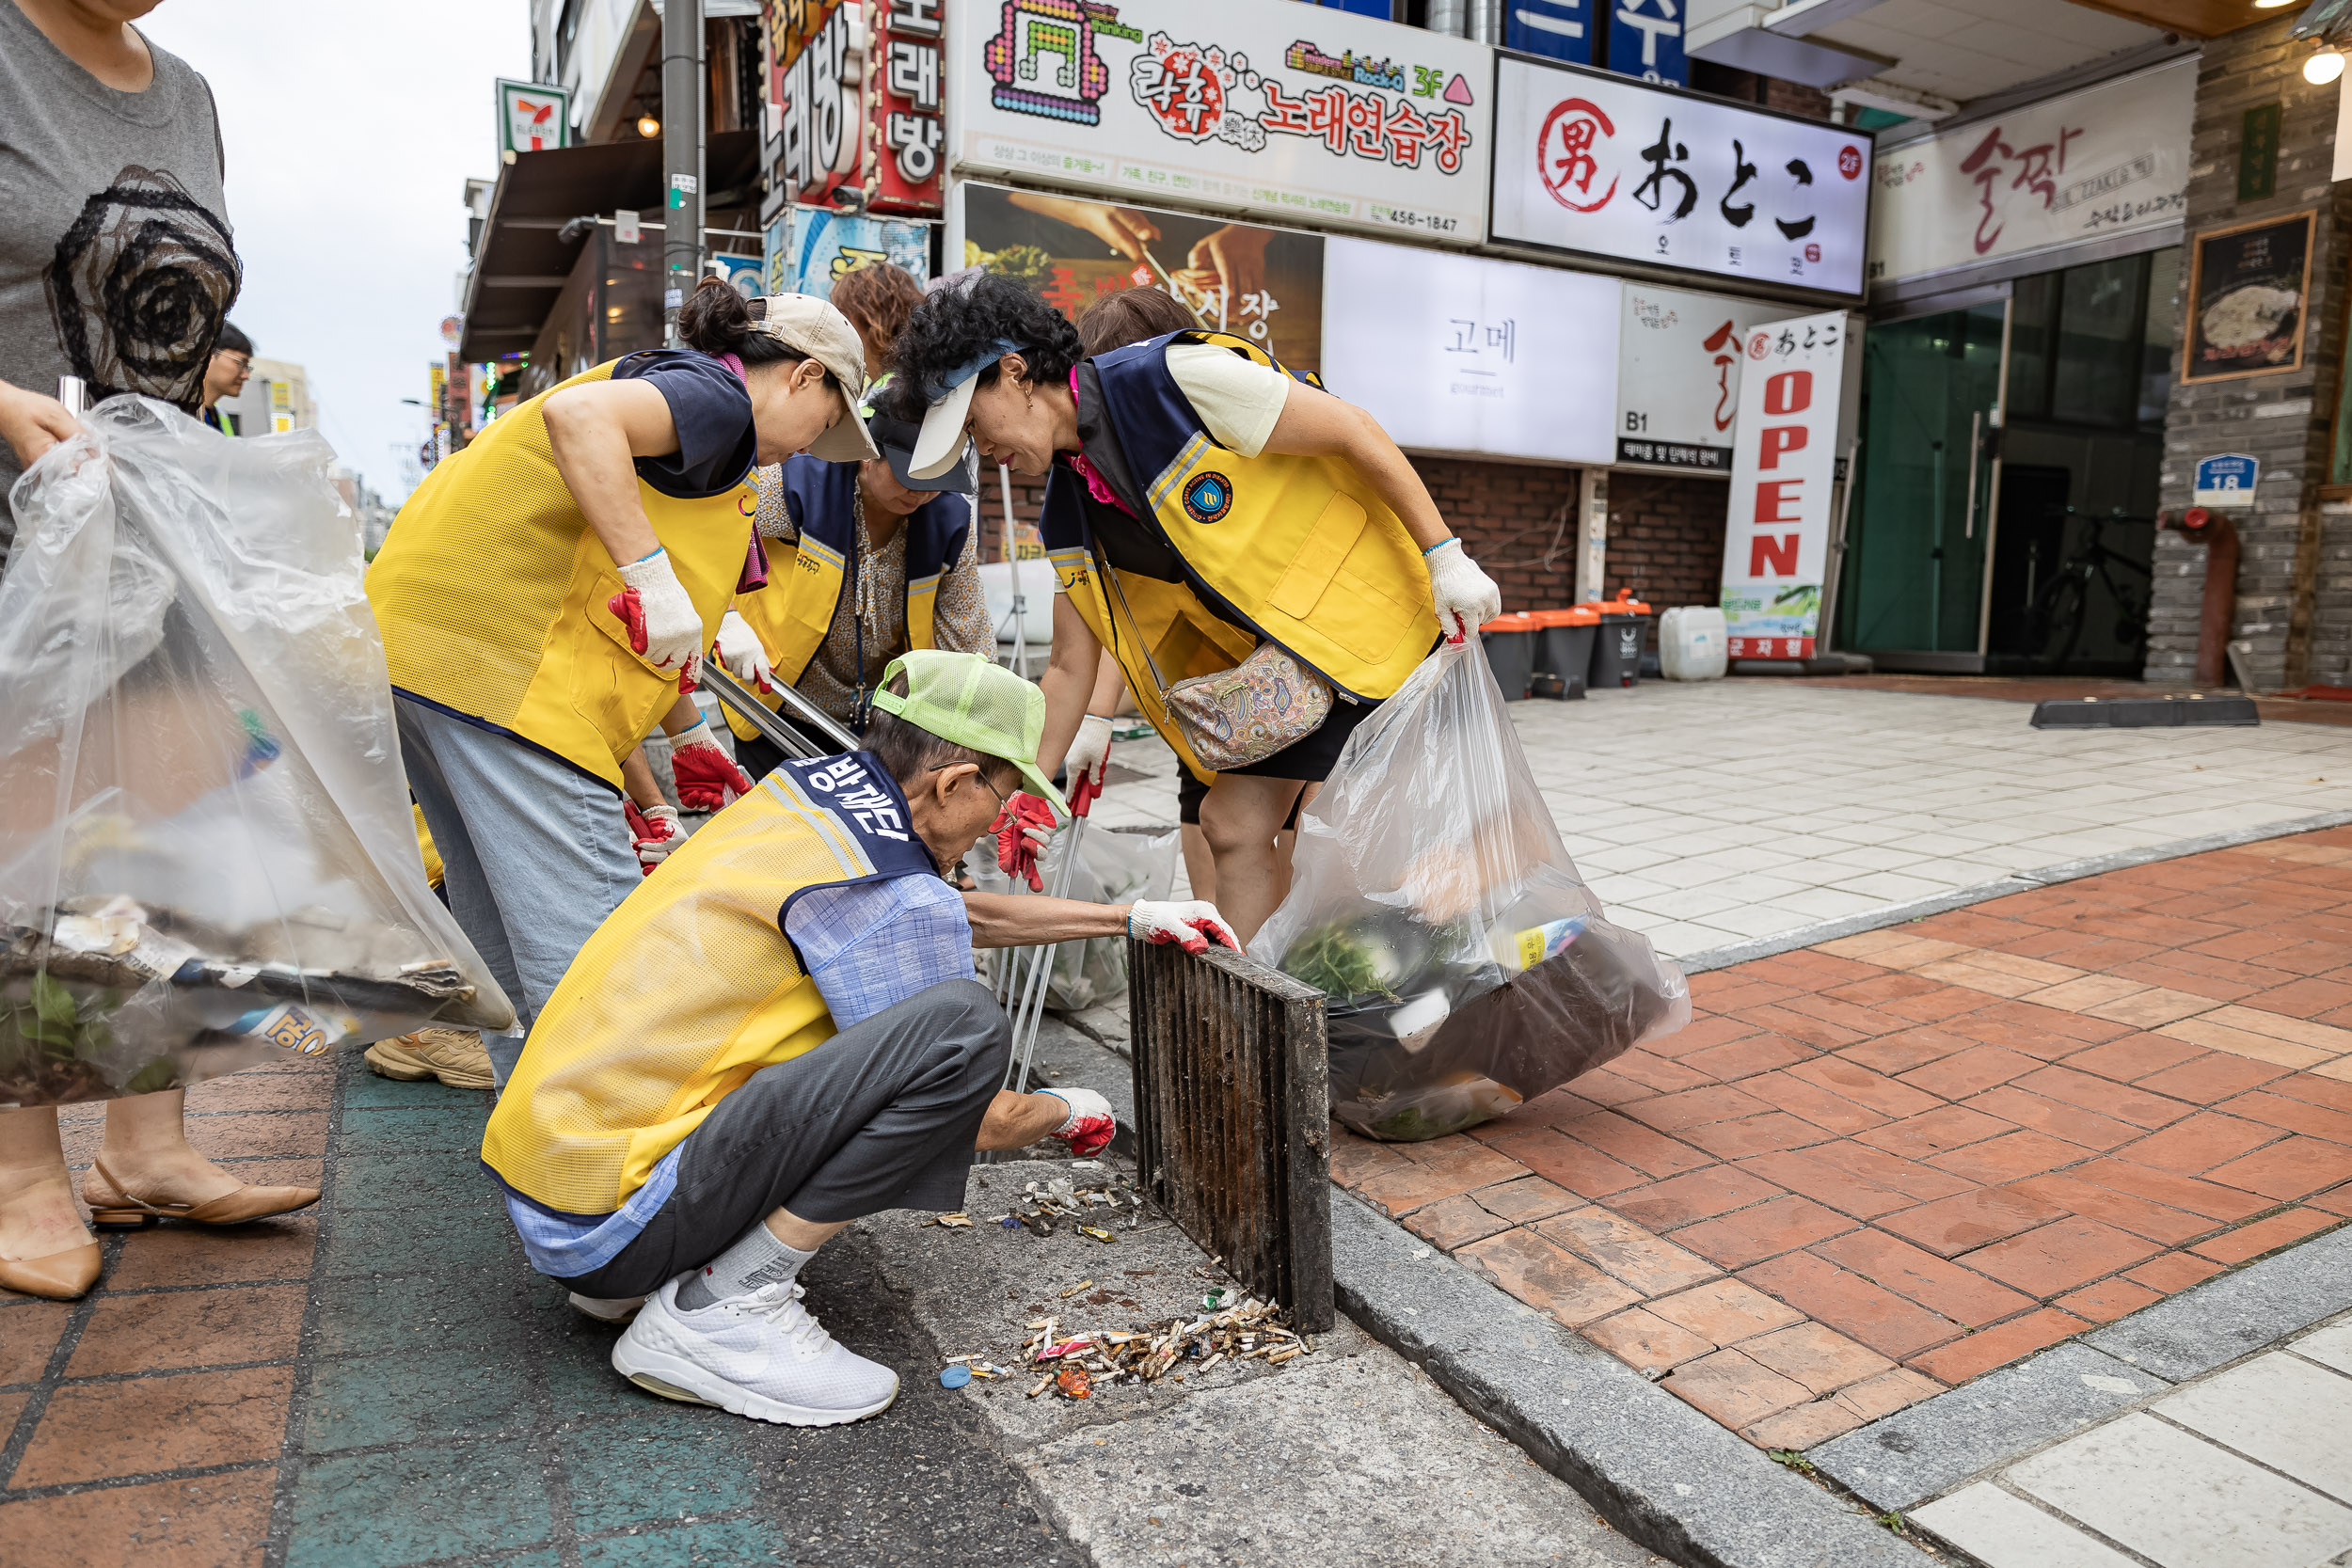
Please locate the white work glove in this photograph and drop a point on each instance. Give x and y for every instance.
(1090, 1127)
(1467, 597)
(743, 653)
(655, 831)
(707, 777)
(664, 628)
(1087, 761)
(1192, 923)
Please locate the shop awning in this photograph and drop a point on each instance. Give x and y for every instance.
(525, 256)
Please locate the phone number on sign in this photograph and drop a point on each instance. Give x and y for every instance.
(1432, 222)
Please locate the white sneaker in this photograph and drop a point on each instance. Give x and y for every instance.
(607, 1310)
(760, 1356)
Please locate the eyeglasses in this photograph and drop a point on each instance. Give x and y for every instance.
(980, 773)
(243, 362)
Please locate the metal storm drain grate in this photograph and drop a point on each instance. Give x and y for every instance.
(1232, 1117)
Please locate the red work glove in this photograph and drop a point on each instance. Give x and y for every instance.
(1022, 830)
(1090, 1127)
(707, 777)
(1192, 923)
(628, 608)
(655, 832)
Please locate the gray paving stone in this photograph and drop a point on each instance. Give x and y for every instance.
(1661, 1471)
(2004, 1531)
(2182, 1501)
(1935, 1445)
(1356, 1461)
(2278, 1410)
(2212, 1324)
(2330, 1347)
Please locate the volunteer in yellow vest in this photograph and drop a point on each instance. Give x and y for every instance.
(1201, 501)
(778, 1032)
(548, 592)
(883, 562)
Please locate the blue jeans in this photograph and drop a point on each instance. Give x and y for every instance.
(534, 853)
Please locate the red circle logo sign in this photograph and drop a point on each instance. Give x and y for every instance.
(1759, 345)
(1850, 161)
(1564, 154)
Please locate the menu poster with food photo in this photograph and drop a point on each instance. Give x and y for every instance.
(2247, 287)
(1263, 284)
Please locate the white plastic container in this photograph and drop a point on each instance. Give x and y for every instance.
(1691, 644)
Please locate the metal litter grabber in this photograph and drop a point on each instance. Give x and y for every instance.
(738, 699)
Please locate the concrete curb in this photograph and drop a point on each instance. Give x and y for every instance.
(1937, 1444)
(2025, 882)
(1659, 1470)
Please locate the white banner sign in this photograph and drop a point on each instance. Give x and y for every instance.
(2107, 159)
(1611, 166)
(1459, 354)
(1678, 360)
(1297, 113)
(1776, 535)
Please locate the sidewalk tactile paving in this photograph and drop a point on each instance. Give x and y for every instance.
(1943, 1146)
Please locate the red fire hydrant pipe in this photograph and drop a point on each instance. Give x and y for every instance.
(2203, 525)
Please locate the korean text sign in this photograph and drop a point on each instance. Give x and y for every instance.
(1301, 114)
(2108, 160)
(1594, 163)
(1776, 536)
(1461, 354)
(910, 103)
(815, 86)
(1678, 375)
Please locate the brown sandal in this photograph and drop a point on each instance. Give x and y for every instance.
(126, 1211)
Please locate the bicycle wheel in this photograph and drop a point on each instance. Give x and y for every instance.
(2066, 605)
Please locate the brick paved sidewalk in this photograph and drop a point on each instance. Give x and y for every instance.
(1892, 1163)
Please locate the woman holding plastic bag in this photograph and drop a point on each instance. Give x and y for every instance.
(208, 861)
(1258, 555)
(1466, 965)
(547, 593)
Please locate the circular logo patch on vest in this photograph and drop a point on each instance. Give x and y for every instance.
(1208, 498)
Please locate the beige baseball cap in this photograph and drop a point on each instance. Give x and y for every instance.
(817, 329)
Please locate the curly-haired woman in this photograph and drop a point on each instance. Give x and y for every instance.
(1202, 503)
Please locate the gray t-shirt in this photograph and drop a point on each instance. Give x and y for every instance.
(116, 258)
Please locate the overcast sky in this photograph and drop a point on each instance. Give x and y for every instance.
(351, 130)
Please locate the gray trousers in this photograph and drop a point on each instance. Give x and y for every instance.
(883, 1115)
(534, 853)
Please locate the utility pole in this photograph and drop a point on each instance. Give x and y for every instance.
(683, 116)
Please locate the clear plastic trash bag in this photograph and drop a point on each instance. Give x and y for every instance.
(1467, 966)
(1115, 865)
(206, 854)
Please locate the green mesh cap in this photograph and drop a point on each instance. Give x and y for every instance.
(972, 702)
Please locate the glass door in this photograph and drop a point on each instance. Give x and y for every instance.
(1913, 574)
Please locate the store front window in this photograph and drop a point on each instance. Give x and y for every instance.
(2003, 520)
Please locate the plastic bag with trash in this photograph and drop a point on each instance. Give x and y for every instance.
(1115, 865)
(1467, 966)
(208, 857)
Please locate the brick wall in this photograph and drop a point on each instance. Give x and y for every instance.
(1788, 98)
(1518, 521)
(2294, 629)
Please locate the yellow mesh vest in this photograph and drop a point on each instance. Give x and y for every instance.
(795, 611)
(684, 991)
(491, 592)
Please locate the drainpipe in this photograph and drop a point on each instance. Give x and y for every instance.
(1449, 16)
(2203, 525)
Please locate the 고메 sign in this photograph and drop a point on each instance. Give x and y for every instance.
(1594, 163)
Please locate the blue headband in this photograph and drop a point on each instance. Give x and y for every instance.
(974, 366)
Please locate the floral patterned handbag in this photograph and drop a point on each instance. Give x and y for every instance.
(1244, 715)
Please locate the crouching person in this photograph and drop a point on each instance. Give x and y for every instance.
(780, 1032)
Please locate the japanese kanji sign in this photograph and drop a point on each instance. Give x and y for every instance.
(1300, 113)
(1470, 355)
(1591, 162)
(1678, 361)
(1784, 463)
(2107, 160)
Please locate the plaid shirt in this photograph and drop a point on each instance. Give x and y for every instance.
(868, 947)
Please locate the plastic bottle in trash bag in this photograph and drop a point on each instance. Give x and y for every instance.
(1466, 966)
(208, 859)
